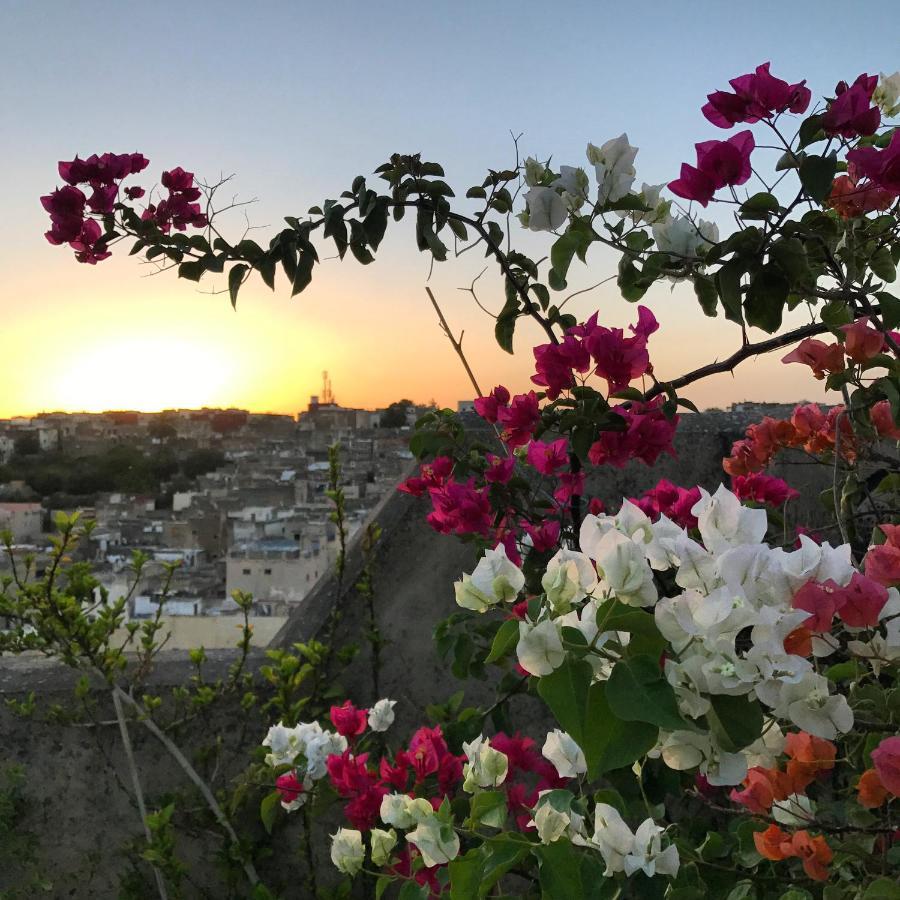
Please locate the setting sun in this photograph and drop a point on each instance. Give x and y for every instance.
(150, 374)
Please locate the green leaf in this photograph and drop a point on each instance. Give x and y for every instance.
(268, 809)
(728, 283)
(735, 721)
(882, 264)
(505, 326)
(476, 193)
(883, 889)
(582, 710)
(759, 206)
(811, 131)
(489, 808)
(766, 297)
(235, 279)
(565, 248)
(707, 295)
(505, 639)
(637, 691)
(411, 890)
(193, 270)
(817, 176)
(890, 309)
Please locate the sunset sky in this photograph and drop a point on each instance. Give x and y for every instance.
(296, 98)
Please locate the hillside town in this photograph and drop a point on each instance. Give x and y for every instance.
(234, 501)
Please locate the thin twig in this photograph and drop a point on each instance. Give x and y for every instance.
(192, 774)
(138, 790)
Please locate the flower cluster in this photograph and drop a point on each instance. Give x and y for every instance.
(179, 209)
(70, 208)
(808, 428)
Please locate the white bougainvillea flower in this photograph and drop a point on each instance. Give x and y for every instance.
(347, 851)
(566, 756)
(814, 562)
(614, 166)
(435, 840)
(547, 210)
(766, 749)
(686, 750)
(554, 817)
(887, 94)
(550, 824)
(383, 842)
(797, 811)
(574, 183)
(647, 854)
(569, 578)
(682, 237)
(724, 522)
(486, 767)
(808, 704)
(612, 837)
(403, 811)
(381, 715)
(624, 570)
(495, 579)
(534, 171)
(284, 745)
(540, 648)
(658, 208)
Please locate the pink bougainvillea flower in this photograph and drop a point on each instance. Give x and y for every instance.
(882, 167)
(519, 419)
(66, 208)
(102, 169)
(87, 246)
(134, 193)
(822, 601)
(851, 113)
(758, 95)
(852, 199)
(864, 600)
(348, 720)
(883, 420)
(499, 469)
(487, 407)
(289, 787)
(861, 341)
(669, 500)
(596, 507)
(760, 488)
(872, 793)
(619, 359)
(548, 459)
(431, 475)
(647, 435)
(459, 508)
(719, 164)
(822, 358)
(886, 759)
(545, 536)
(571, 484)
(556, 363)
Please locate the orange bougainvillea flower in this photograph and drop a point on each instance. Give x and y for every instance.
(762, 787)
(809, 756)
(774, 844)
(799, 642)
(872, 793)
(814, 853)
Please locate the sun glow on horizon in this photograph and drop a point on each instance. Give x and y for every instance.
(143, 373)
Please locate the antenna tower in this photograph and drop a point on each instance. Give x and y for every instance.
(327, 396)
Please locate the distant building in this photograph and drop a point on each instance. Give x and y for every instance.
(24, 520)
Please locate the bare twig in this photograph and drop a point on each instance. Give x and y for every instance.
(138, 790)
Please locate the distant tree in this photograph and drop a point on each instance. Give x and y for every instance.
(27, 444)
(162, 428)
(395, 415)
(202, 461)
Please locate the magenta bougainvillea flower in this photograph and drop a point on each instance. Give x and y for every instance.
(758, 95)
(882, 167)
(851, 113)
(719, 164)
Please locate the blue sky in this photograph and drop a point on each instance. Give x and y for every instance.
(296, 98)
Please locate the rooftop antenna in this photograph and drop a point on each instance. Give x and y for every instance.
(327, 396)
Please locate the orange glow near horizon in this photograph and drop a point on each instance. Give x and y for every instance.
(73, 344)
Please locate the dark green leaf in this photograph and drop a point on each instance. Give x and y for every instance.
(235, 280)
(505, 639)
(766, 298)
(637, 691)
(735, 721)
(817, 176)
(759, 206)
